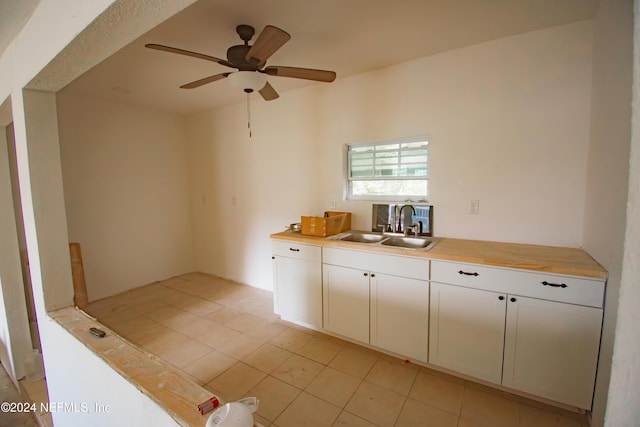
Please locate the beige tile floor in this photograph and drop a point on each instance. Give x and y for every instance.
(38, 394)
(226, 337)
(14, 415)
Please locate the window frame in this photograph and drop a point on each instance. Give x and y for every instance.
(348, 179)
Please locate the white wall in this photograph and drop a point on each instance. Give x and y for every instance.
(608, 168)
(126, 187)
(624, 388)
(15, 340)
(509, 126)
(244, 189)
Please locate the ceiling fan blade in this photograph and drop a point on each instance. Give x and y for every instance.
(204, 81)
(270, 40)
(301, 73)
(268, 92)
(188, 53)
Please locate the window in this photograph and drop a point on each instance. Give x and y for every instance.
(389, 170)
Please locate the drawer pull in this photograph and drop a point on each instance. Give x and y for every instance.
(467, 273)
(554, 285)
(294, 250)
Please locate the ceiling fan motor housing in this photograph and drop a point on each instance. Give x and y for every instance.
(236, 55)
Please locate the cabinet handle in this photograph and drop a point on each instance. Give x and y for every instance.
(554, 285)
(373, 275)
(366, 274)
(513, 300)
(501, 298)
(467, 273)
(294, 250)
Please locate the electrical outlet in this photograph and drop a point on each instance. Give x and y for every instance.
(474, 207)
(332, 205)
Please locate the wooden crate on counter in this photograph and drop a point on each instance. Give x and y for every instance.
(328, 225)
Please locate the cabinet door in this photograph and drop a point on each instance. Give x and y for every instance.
(400, 315)
(551, 349)
(467, 330)
(298, 290)
(346, 302)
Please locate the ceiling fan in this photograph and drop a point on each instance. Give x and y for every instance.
(250, 62)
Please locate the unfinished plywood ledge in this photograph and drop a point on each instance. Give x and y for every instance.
(172, 390)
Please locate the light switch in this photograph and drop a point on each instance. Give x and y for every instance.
(474, 207)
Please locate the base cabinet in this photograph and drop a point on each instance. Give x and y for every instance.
(531, 344)
(389, 311)
(400, 315)
(346, 302)
(467, 331)
(551, 349)
(529, 331)
(297, 283)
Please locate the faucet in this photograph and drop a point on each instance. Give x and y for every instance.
(399, 229)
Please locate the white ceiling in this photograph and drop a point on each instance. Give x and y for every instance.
(13, 15)
(346, 36)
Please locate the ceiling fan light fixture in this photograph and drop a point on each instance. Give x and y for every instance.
(248, 81)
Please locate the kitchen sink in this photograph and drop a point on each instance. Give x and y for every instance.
(409, 242)
(364, 238)
(388, 239)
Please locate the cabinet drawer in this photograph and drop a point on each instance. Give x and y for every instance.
(296, 250)
(574, 290)
(394, 265)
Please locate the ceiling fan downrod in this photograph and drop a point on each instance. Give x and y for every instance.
(249, 109)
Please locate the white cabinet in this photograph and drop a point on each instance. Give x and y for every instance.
(551, 349)
(297, 283)
(346, 302)
(528, 331)
(382, 300)
(400, 315)
(467, 331)
(550, 326)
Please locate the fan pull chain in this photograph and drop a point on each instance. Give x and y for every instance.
(249, 113)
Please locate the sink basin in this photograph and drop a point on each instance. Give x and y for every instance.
(409, 242)
(388, 239)
(363, 238)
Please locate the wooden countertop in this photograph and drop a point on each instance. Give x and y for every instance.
(550, 259)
